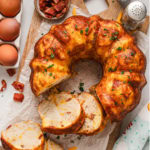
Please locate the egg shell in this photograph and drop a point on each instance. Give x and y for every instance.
(8, 55)
(10, 8)
(9, 29)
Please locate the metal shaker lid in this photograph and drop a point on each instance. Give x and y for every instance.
(137, 10)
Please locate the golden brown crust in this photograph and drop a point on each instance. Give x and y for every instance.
(73, 128)
(104, 41)
(9, 146)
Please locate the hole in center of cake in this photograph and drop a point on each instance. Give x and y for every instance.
(86, 73)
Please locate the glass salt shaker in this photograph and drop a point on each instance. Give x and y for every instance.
(134, 15)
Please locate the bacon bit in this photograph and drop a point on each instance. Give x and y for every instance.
(129, 125)
(11, 72)
(9, 126)
(4, 85)
(59, 6)
(73, 148)
(18, 86)
(18, 97)
(148, 107)
(74, 11)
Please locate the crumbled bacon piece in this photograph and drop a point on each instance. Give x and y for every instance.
(18, 97)
(4, 85)
(18, 86)
(55, 1)
(59, 6)
(11, 72)
(50, 11)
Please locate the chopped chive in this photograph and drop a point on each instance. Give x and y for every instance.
(81, 84)
(50, 74)
(130, 70)
(58, 137)
(72, 92)
(119, 48)
(52, 55)
(122, 72)
(132, 54)
(76, 27)
(65, 32)
(105, 29)
(87, 30)
(81, 31)
(105, 34)
(50, 66)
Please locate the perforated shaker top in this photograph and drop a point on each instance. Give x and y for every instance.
(137, 10)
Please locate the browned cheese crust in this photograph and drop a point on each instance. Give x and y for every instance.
(105, 41)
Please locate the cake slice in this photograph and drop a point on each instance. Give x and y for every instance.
(25, 135)
(61, 114)
(93, 114)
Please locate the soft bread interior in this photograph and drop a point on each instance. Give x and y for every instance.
(25, 135)
(60, 111)
(93, 113)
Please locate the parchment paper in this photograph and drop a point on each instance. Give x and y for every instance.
(88, 72)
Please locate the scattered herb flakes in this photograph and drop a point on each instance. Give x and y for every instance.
(122, 72)
(111, 69)
(54, 77)
(58, 137)
(113, 89)
(50, 66)
(117, 24)
(45, 70)
(81, 84)
(50, 74)
(52, 56)
(65, 31)
(113, 38)
(119, 48)
(116, 103)
(116, 33)
(65, 135)
(42, 33)
(105, 34)
(126, 57)
(130, 83)
(81, 88)
(115, 56)
(130, 70)
(87, 30)
(72, 92)
(132, 54)
(53, 49)
(105, 29)
(76, 27)
(81, 31)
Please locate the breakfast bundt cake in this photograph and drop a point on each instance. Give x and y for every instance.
(106, 42)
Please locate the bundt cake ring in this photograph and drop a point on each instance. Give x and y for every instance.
(104, 41)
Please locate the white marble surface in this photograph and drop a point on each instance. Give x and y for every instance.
(94, 6)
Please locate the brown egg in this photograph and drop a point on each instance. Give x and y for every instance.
(8, 55)
(9, 29)
(10, 8)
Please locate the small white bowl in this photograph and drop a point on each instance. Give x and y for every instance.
(37, 7)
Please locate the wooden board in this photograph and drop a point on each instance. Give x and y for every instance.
(111, 13)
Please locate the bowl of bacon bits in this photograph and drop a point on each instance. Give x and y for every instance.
(52, 9)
